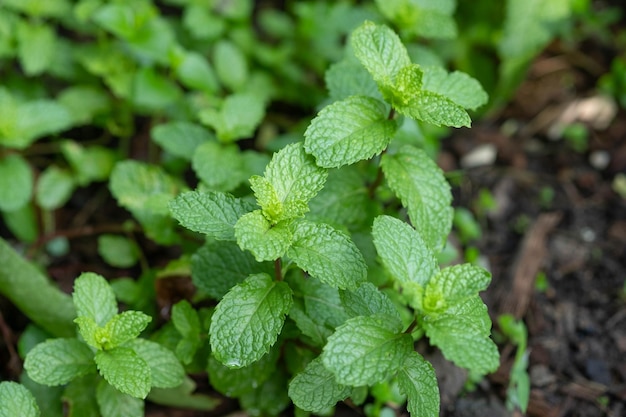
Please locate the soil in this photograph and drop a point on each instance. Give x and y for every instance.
(555, 243)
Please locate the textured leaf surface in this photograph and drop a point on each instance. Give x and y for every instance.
(367, 300)
(124, 327)
(248, 319)
(423, 190)
(454, 284)
(348, 78)
(238, 117)
(235, 382)
(315, 388)
(180, 138)
(186, 319)
(218, 266)
(322, 302)
(402, 250)
(125, 370)
(16, 182)
(218, 165)
(365, 350)
(94, 298)
(349, 131)
(457, 86)
(114, 403)
(165, 369)
(435, 109)
(418, 382)
(380, 50)
(212, 213)
(58, 361)
(267, 242)
(328, 255)
(16, 400)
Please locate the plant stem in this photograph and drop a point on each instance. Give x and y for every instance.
(278, 270)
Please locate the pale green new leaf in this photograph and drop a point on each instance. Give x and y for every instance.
(58, 361)
(403, 251)
(125, 370)
(457, 86)
(247, 321)
(316, 332)
(380, 50)
(16, 400)
(436, 109)
(366, 349)
(454, 284)
(218, 165)
(267, 242)
(423, 190)
(124, 327)
(315, 388)
(367, 300)
(349, 131)
(267, 198)
(180, 138)
(114, 403)
(218, 266)
(16, 182)
(93, 334)
(418, 382)
(94, 298)
(212, 213)
(165, 369)
(328, 255)
(237, 118)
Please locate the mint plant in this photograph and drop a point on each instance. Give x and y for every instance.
(307, 280)
(108, 345)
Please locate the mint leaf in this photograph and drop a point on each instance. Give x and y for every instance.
(267, 242)
(322, 302)
(316, 333)
(315, 388)
(238, 117)
(380, 50)
(165, 369)
(349, 131)
(248, 319)
(235, 382)
(218, 266)
(125, 370)
(453, 285)
(58, 361)
(219, 166)
(367, 300)
(54, 187)
(267, 197)
(464, 342)
(186, 319)
(435, 109)
(270, 398)
(118, 251)
(457, 86)
(16, 182)
(114, 403)
(36, 46)
(417, 380)
(349, 78)
(94, 298)
(124, 327)
(93, 163)
(230, 64)
(423, 190)
(194, 72)
(366, 349)
(403, 251)
(180, 138)
(295, 178)
(16, 400)
(328, 255)
(212, 213)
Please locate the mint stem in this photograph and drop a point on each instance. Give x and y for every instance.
(278, 270)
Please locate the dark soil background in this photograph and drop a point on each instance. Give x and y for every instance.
(556, 214)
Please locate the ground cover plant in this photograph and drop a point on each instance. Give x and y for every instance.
(271, 221)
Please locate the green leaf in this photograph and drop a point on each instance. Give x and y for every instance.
(153, 91)
(218, 266)
(457, 86)
(248, 319)
(328, 255)
(165, 369)
(315, 388)
(267, 242)
(235, 382)
(114, 403)
(16, 182)
(93, 334)
(186, 319)
(94, 298)
(322, 302)
(85, 103)
(36, 47)
(118, 251)
(93, 163)
(423, 190)
(230, 65)
(403, 252)
(349, 78)
(58, 361)
(270, 398)
(54, 187)
(316, 332)
(79, 397)
(219, 166)
(418, 382)
(180, 138)
(16, 401)
(238, 117)
(380, 51)
(124, 327)
(367, 300)
(212, 213)
(366, 349)
(349, 131)
(194, 71)
(454, 284)
(125, 370)
(184, 396)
